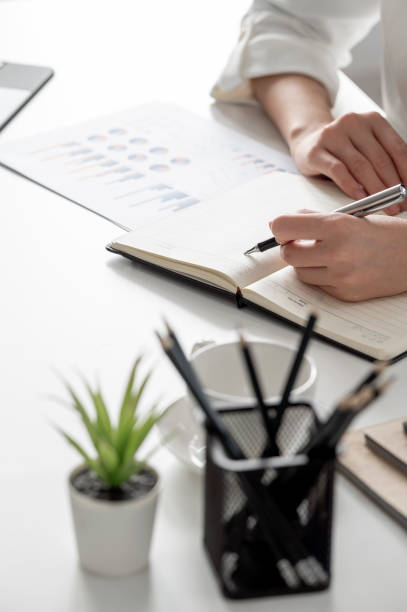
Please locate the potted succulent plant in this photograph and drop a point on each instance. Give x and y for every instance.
(114, 493)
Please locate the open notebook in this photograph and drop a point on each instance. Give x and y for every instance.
(207, 242)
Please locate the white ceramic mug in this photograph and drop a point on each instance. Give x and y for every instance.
(222, 372)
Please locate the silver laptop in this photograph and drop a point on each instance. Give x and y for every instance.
(18, 84)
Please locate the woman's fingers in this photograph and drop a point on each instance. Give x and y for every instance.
(305, 254)
(360, 166)
(357, 145)
(361, 153)
(331, 166)
(393, 210)
(295, 227)
(319, 277)
(368, 146)
(311, 226)
(391, 142)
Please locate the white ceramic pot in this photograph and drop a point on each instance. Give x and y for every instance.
(113, 537)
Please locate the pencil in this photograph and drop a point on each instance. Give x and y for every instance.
(179, 350)
(350, 408)
(293, 485)
(171, 348)
(378, 368)
(271, 445)
(276, 529)
(295, 368)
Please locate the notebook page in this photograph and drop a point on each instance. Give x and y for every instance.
(377, 327)
(214, 237)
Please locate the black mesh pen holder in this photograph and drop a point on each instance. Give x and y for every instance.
(289, 550)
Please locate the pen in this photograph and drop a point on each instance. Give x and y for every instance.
(360, 208)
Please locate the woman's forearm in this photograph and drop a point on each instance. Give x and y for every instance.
(361, 153)
(296, 103)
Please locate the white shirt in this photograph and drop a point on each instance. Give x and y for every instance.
(315, 37)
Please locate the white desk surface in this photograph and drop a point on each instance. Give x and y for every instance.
(66, 303)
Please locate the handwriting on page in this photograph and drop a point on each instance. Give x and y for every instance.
(377, 321)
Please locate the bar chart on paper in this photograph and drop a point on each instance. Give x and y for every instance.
(139, 165)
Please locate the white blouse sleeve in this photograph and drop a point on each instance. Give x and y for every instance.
(311, 37)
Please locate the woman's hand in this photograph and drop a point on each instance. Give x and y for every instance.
(361, 153)
(348, 257)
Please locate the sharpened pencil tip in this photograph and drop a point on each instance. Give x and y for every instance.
(366, 394)
(166, 343)
(160, 339)
(380, 366)
(353, 402)
(167, 325)
(242, 339)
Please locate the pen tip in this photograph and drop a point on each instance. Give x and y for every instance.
(250, 251)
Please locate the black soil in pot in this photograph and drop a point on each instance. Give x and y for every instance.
(89, 483)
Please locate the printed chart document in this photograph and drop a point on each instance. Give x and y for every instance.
(141, 165)
(208, 244)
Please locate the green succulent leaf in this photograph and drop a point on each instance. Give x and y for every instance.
(128, 417)
(103, 421)
(136, 468)
(116, 447)
(108, 456)
(80, 409)
(102, 424)
(135, 397)
(122, 435)
(136, 438)
(76, 446)
(91, 463)
(128, 391)
(109, 462)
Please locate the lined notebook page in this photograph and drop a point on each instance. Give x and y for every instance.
(376, 327)
(214, 235)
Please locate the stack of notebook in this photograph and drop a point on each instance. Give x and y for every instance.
(375, 460)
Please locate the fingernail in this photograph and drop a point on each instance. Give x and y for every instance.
(393, 210)
(360, 193)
